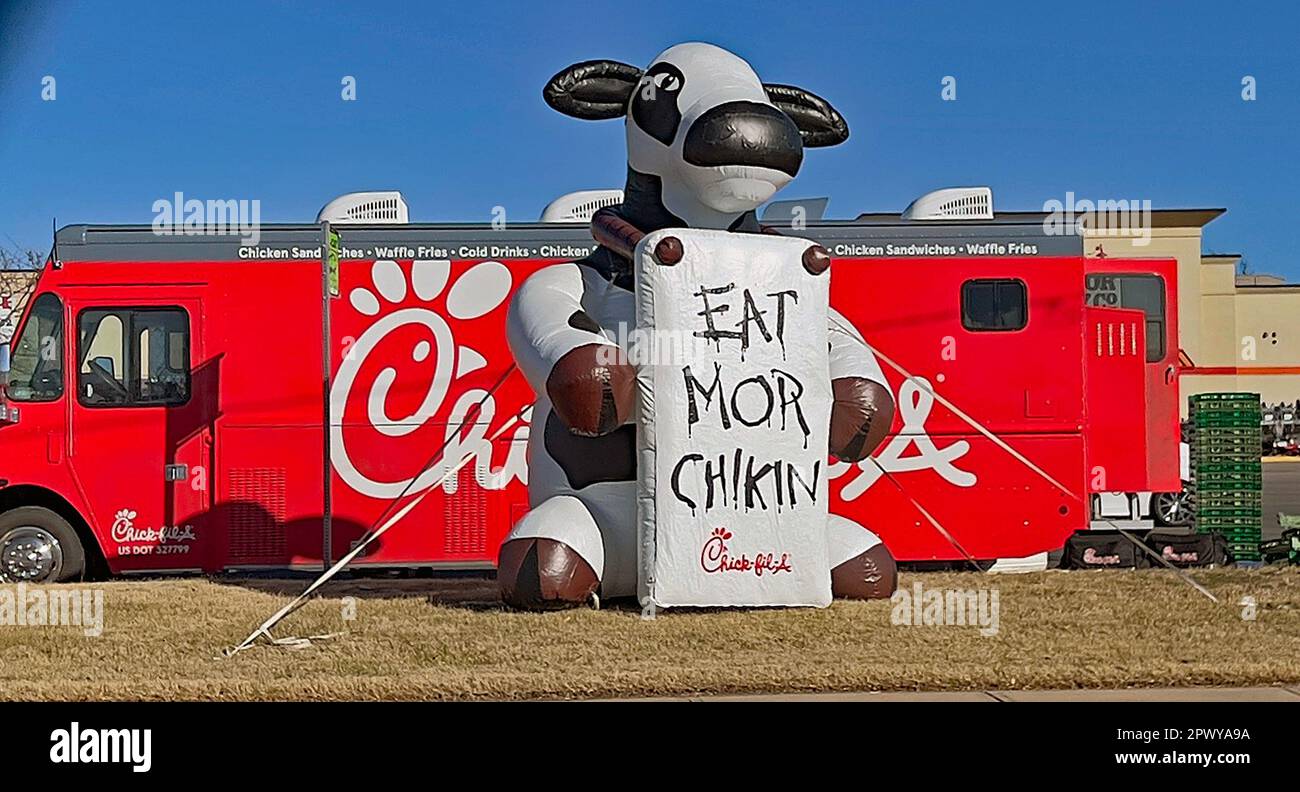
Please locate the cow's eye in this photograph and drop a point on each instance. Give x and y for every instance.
(667, 81)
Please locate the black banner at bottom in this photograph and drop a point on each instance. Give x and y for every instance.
(742, 741)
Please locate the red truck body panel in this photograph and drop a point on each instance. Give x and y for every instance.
(417, 344)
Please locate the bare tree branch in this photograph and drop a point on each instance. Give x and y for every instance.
(18, 272)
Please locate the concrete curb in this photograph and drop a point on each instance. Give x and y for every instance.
(1291, 694)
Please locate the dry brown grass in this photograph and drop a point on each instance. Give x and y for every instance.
(426, 639)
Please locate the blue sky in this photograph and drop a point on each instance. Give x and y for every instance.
(242, 100)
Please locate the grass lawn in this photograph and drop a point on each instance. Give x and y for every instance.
(448, 639)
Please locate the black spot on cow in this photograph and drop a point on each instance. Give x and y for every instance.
(592, 460)
(654, 108)
(581, 320)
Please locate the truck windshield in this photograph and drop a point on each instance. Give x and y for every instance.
(36, 371)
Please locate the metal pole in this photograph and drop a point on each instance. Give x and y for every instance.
(327, 506)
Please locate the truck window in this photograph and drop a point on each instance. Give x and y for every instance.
(1141, 292)
(133, 357)
(163, 349)
(36, 370)
(994, 304)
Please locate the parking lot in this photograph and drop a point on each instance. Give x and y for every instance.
(1281, 492)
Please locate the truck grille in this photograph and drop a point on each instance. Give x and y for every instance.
(465, 516)
(257, 516)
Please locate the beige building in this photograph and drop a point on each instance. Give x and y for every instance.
(15, 287)
(1236, 332)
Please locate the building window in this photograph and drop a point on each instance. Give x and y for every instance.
(1139, 292)
(133, 357)
(994, 304)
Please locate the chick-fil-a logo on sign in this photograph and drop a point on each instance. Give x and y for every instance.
(715, 557)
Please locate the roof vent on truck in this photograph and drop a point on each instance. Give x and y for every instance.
(578, 207)
(383, 206)
(952, 203)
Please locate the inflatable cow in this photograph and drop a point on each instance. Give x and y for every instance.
(707, 143)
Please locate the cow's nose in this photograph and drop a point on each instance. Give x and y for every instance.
(744, 133)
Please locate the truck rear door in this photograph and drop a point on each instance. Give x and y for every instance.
(1115, 382)
(1148, 285)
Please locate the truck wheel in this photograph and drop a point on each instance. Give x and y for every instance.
(38, 546)
(1172, 509)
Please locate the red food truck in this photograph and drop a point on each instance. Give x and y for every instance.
(166, 408)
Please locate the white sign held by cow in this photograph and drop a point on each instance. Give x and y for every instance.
(732, 429)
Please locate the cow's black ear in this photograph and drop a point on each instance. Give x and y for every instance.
(592, 90)
(819, 123)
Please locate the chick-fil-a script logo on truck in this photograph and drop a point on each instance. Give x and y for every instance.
(398, 375)
(427, 326)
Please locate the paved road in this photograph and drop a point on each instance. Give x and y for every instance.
(1281, 492)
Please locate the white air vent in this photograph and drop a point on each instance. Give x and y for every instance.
(385, 206)
(952, 203)
(578, 207)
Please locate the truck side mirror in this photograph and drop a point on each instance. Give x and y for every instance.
(7, 415)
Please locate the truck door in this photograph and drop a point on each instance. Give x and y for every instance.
(1115, 380)
(1151, 286)
(140, 421)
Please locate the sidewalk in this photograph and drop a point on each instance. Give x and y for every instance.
(1291, 693)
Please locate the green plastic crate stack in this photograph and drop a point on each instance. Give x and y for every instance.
(1227, 476)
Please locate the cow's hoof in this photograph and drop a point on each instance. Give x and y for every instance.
(860, 417)
(543, 574)
(669, 251)
(871, 574)
(816, 260)
(592, 389)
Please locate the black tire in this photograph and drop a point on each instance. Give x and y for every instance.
(1172, 509)
(27, 525)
